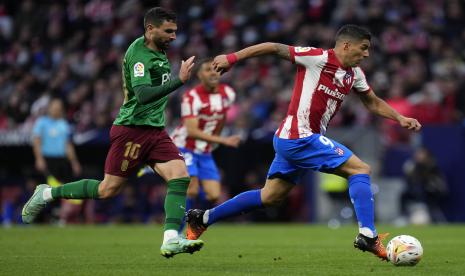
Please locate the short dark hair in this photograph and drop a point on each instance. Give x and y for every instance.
(157, 15)
(353, 32)
(201, 62)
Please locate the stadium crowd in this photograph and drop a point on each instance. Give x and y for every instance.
(73, 50)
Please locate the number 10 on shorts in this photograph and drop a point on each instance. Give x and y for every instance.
(131, 152)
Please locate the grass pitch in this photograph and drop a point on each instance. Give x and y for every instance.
(268, 249)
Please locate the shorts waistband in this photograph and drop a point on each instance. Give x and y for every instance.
(142, 127)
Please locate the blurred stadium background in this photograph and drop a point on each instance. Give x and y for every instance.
(73, 49)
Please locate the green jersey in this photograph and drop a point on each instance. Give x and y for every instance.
(143, 66)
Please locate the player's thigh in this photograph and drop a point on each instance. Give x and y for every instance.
(193, 189)
(281, 168)
(212, 189)
(129, 147)
(353, 165)
(172, 169)
(315, 152)
(275, 191)
(165, 157)
(111, 185)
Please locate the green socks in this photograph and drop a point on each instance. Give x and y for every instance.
(175, 200)
(175, 203)
(84, 188)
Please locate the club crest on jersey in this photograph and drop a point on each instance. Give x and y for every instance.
(348, 78)
(139, 69)
(302, 49)
(339, 151)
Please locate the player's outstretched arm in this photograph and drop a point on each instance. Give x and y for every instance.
(378, 106)
(193, 131)
(146, 93)
(222, 63)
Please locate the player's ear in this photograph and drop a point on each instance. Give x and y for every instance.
(149, 27)
(346, 45)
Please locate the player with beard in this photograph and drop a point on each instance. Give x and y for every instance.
(138, 135)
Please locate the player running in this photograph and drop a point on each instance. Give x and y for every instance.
(203, 112)
(323, 79)
(138, 134)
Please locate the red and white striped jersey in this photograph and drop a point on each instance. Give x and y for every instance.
(210, 109)
(321, 83)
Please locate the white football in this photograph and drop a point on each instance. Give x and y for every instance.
(404, 250)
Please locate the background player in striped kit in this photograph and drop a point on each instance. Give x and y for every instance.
(323, 79)
(203, 113)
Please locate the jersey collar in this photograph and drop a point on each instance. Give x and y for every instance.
(336, 60)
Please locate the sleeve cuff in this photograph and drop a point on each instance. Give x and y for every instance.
(177, 82)
(292, 53)
(364, 91)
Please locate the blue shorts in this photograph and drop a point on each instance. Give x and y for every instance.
(200, 165)
(316, 152)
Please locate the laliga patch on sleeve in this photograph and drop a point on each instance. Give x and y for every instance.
(139, 69)
(302, 49)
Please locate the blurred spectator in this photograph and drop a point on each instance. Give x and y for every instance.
(74, 49)
(426, 188)
(394, 134)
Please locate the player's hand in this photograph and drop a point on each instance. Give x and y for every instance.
(410, 123)
(41, 166)
(220, 64)
(232, 141)
(186, 69)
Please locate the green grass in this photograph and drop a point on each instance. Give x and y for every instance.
(275, 249)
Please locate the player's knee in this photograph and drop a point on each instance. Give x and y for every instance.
(192, 193)
(363, 168)
(193, 189)
(177, 174)
(213, 197)
(108, 191)
(272, 199)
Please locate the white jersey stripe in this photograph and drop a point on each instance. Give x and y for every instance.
(286, 130)
(197, 103)
(330, 109)
(231, 94)
(310, 83)
(179, 137)
(200, 145)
